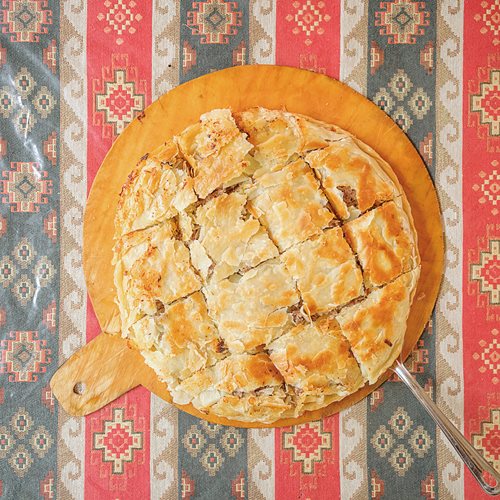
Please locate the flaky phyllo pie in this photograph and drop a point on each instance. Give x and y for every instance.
(265, 264)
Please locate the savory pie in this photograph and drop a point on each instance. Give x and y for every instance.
(265, 264)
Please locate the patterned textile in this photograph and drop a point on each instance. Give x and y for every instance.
(73, 75)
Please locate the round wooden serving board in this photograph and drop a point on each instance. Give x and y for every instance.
(107, 367)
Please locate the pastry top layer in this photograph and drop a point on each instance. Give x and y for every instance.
(265, 264)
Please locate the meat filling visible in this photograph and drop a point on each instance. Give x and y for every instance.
(349, 196)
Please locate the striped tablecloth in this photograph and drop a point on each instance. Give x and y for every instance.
(73, 74)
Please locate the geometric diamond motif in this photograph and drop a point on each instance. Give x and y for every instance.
(118, 97)
(25, 187)
(41, 441)
(231, 441)
(487, 272)
(487, 102)
(24, 253)
(20, 461)
(420, 103)
(384, 100)
(420, 441)
(490, 187)
(400, 84)
(44, 271)
(118, 441)
(25, 20)
(23, 289)
(24, 83)
(21, 422)
(6, 102)
(308, 19)
(488, 439)
(490, 357)
(212, 460)
(401, 460)
(402, 118)
(193, 440)
(307, 442)
(402, 20)
(8, 271)
(214, 21)
(6, 441)
(24, 121)
(44, 102)
(120, 18)
(382, 440)
(491, 19)
(400, 422)
(23, 356)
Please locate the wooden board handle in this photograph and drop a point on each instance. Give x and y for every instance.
(97, 374)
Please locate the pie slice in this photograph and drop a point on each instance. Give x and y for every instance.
(375, 327)
(289, 204)
(216, 151)
(384, 243)
(325, 270)
(277, 135)
(158, 189)
(352, 179)
(231, 238)
(152, 269)
(315, 360)
(250, 310)
(242, 386)
(179, 341)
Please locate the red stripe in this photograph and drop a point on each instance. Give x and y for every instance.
(307, 461)
(481, 271)
(308, 35)
(119, 86)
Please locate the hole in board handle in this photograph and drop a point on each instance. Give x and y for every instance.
(79, 388)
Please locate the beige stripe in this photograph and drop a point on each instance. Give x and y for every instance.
(165, 57)
(449, 367)
(354, 481)
(354, 44)
(163, 455)
(73, 179)
(163, 417)
(260, 445)
(261, 472)
(262, 24)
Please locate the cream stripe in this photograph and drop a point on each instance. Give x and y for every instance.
(354, 482)
(260, 445)
(163, 454)
(261, 469)
(73, 168)
(262, 32)
(354, 44)
(163, 416)
(449, 366)
(165, 57)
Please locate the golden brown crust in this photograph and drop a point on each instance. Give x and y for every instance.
(326, 272)
(242, 288)
(315, 359)
(352, 179)
(231, 237)
(158, 189)
(251, 310)
(375, 328)
(289, 204)
(215, 149)
(383, 241)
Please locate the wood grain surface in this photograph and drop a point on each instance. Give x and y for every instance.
(107, 367)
